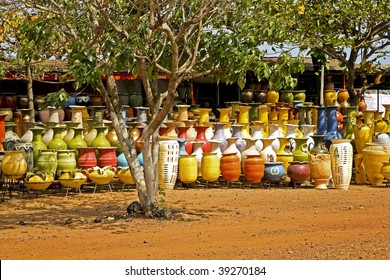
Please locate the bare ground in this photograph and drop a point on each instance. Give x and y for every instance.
(213, 223)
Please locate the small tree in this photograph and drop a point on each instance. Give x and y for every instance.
(356, 33)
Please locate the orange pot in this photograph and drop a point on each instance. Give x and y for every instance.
(230, 167)
(254, 168)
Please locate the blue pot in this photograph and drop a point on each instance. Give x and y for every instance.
(273, 171)
(122, 160)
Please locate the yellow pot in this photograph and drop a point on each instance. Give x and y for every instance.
(14, 164)
(124, 175)
(188, 169)
(330, 97)
(210, 167)
(373, 156)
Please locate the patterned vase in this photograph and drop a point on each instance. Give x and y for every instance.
(168, 162)
(341, 155)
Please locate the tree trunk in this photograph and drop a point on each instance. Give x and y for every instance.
(353, 98)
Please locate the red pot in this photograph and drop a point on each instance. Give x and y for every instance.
(107, 156)
(87, 158)
(298, 171)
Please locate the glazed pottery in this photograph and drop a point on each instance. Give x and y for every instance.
(243, 116)
(254, 168)
(268, 152)
(232, 148)
(286, 95)
(210, 167)
(106, 156)
(224, 115)
(250, 149)
(299, 95)
(273, 171)
(168, 163)
(66, 160)
(100, 139)
(86, 157)
(57, 143)
(298, 172)
(330, 97)
(14, 164)
(37, 142)
(77, 141)
(47, 161)
(373, 156)
(28, 154)
(272, 96)
(188, 169)
(230, 167)
(318, 146)
(284, 154)
(362, 136)
(385, 170)
(183, 112)
(320, 169)
(341, 155)
(201, 137)
(301, 152)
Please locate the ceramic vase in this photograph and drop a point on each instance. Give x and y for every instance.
(57, 143)
(254, 168)
(301, 152)
(284, 155)
(373, 156)
(268, 152)
(66, 160)
(168, 162)
(100, 139)
(14, 164)
(250, 149)
(188, 169)
(28, 154)
(230, 167)
(273, 172)
(210, 167)
(86, 157)
(37, 142)
(107, 156)
(341, 155)
(47, 161)
(298, 172)
(232, 148)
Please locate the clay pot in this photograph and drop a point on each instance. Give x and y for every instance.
(254, 168)
(210, 167)
(298, 171)
(273, 171)
(247, 95)
(330, 97)
(188, 169)
(230, 167)
(87, 158)
(373, 156)
(107, 156)
(272, 96)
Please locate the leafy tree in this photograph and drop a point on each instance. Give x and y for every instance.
(356, 32)
(178, 38)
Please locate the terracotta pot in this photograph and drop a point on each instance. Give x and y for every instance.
(230, 167)
(320, 167)
(373, 156)
(107, 156)
(254, 168)
(86, 158)
(298, 171)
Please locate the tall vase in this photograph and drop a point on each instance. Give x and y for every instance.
(307, 131)
(284, 154)
(37, 142)
(183, 112)
(263, 113)
(301, 152)
(224, 115)
(237, 133)
(319, 162)
(182, 133)
(77, 114)
(321, 121)
(77, 141)
(275, 131)
(216, 147)
(351, 122)
(57, 143)
(268, 152)
(232, 148)
(100, 139)
(201, 137)
(70, 132)
(257, 133)
(168, 163)
(250, 149)
(204, 115)
(332, 126)
(341, 155)
(243, 116)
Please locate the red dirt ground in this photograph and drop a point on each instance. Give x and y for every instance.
(213, 223)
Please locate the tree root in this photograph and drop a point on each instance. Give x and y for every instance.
(151, 211)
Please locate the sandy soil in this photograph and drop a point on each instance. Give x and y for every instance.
(213, 223)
